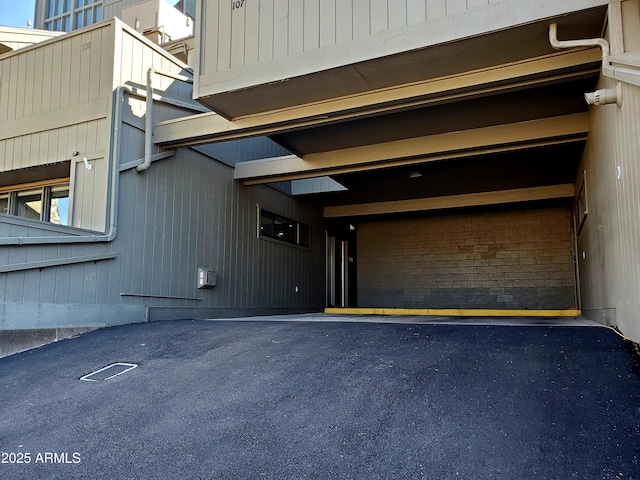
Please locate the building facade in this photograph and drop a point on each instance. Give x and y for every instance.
(476, 174)
(89, 239)
(419, 156)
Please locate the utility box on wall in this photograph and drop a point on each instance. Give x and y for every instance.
(206, 278)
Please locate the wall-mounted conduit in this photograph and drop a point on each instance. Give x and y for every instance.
(18, 267)
(148, 129)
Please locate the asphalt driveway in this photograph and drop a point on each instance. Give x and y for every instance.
(294, 400)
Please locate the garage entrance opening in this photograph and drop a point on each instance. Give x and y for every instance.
(502, 259)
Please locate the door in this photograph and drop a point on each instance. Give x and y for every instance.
(341, 267)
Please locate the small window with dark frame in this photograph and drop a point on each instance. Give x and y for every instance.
(37, 193)
(47, 203)
(4, 203)
(283, 229)
(59, 205)
(29, 204)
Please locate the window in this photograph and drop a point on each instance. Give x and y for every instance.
(283, 229)
(4, 203)
(67, 15)
(29, 204)
(59, 205)
(45, 202)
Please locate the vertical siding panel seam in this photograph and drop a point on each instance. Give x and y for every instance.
(335, 21)
(3, 91)
(288, 28)
(318, 38)
(273, 30)
(240, 260)
(183, 243)
(239, 248)
(633, 284)
(217, 57)
(229, 244)
(353, 20)
(12, 108)
(175, 248)
(635, 116)
(241, 245)
(222, 238)
(182, 213)
(135, 193)
(20, 105)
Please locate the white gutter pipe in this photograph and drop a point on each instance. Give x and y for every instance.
(589, 42)
(148, 121)
(599, 97)
(148, 124)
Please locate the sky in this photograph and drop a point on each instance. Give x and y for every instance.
(15, 13)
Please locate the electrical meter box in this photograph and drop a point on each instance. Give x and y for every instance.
(206, 278)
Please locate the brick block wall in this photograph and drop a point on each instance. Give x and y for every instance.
(506, 260)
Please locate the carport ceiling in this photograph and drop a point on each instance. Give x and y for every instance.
(535, 167)
(516, 106)
(521, 166)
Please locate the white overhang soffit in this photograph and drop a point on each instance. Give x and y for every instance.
(453, 201)
(211, 127)
(460, 144)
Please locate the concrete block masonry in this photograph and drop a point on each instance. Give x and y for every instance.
(504, 259)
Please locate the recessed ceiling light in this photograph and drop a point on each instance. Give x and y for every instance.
(415, 175)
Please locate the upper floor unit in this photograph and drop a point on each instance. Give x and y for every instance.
(59, 101)
(13, 38)
(263, 55)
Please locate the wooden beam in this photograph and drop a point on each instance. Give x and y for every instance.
(211, 127)
(452, 201)
(477, 141)
(27, 186)
(479, 153)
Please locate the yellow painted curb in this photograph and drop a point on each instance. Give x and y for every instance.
(453, 312)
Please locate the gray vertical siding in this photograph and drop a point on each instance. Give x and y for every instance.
(190, 214)
(183, 213)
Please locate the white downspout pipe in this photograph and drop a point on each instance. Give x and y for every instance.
(588, 42)
(148, 121)
(148, 124)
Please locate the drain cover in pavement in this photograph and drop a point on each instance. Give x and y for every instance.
(108, 372)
